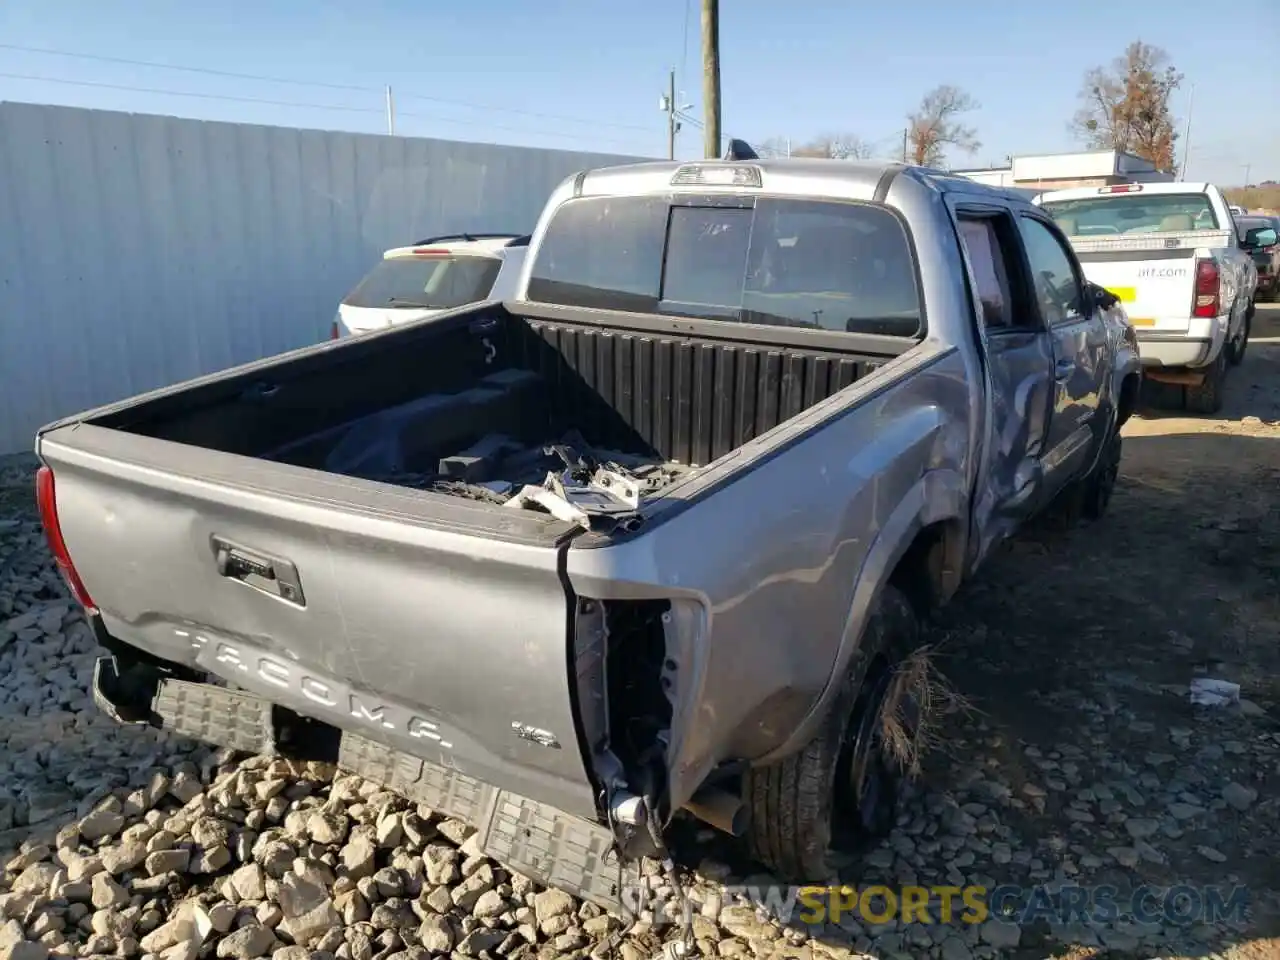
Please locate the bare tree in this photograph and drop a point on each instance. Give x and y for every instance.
(836, 146)
(936, 125)
(773, 147)
(831, 146)
(1126, 106)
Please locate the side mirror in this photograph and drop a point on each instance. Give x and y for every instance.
(1101, 297)
(1259, 237)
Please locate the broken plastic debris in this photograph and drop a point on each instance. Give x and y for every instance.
(553, 503)
(1207, 692)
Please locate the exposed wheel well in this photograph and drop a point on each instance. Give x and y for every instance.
(1128, 399)
(929, 572)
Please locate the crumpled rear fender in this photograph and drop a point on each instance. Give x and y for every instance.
(940, 496)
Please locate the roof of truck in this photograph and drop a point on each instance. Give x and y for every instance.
(1077, 193)
(855, 179)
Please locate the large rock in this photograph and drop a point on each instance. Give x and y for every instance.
(106, 894)
(123, 857)
(442, 864)
(102, 823)
(250, 941)
(358, 857)
(307, 908)
(36, 878)
(436, 935)
(190, 922)
(248, 882)
(12, 933)
(328, 826)
(553, 903)
(25, 950)
(1239, 796)
(469, 890)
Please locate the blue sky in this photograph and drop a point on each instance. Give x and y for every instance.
(587, 74)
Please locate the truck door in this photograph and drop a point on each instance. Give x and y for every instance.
(1079, 351)
(1019, 363)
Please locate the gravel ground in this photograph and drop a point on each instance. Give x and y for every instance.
(1081, 764)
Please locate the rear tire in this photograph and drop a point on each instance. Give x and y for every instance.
(1097, 488)
(841, 788)
(1208, 396)
(1087, 498)
(1237, 348)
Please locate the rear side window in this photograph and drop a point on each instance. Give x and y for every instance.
(824, 265)
(1129, 213)
(417, 282)
(990, 271)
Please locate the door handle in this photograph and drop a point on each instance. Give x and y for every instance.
(270, 575)
(1064, 368)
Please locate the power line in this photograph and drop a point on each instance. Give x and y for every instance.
(349, 88)
(200, 96)
(311, 106)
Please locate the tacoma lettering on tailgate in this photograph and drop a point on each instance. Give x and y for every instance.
(241, 663)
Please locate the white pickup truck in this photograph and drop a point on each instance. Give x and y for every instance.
(1170, 252)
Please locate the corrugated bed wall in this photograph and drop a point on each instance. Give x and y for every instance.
(138, 251)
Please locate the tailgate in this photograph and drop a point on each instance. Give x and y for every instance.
(351, 602)
(1153, 274)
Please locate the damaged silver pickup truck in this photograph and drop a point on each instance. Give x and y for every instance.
(644, 543)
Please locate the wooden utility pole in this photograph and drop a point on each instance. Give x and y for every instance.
(711, 77)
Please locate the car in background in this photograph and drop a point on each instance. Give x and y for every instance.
(1237, 211)
(433, 275)
(1266, 257)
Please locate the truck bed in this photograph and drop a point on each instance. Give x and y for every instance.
(281, 527)
(486, 403)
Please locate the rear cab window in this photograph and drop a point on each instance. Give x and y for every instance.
(438, 282)
(1132, 213)
(817, 264)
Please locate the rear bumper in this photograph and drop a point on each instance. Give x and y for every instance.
(538, 840)
(1175, 351)
(1197, 346)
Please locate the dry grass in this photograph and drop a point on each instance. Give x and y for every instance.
(919, 695)
(1257, 197)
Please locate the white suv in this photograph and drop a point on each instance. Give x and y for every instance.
(433, 275)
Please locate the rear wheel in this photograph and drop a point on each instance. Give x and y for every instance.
(843, 787)
(1238, 346)
(1207, 397)
(1098, 487)
(1087, 499)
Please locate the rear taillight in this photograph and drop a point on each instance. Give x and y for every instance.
(1271, 250)
(335, 331)
(430, 252)
(1121, 188)
(1208, 287)
(47, 503)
